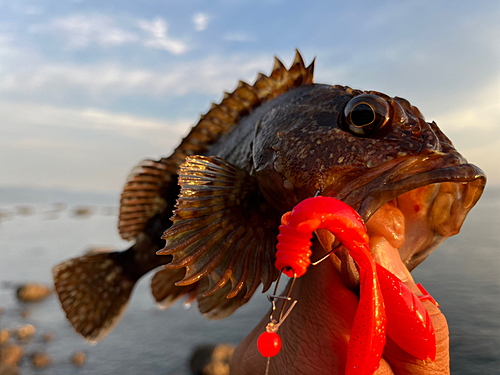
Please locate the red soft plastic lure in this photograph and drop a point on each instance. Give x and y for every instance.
(408, 322)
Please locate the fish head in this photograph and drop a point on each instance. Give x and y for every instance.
(409, 184)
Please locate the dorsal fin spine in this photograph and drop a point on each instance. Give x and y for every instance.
(277, 64)
(247, 93)
(238, 106)
(226, 106)
(265, 88)
(308, 78)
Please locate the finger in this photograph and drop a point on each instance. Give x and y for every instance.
(384, 369)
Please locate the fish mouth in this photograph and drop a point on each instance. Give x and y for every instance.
(409, 210)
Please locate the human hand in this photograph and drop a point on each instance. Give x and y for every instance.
(315, 336)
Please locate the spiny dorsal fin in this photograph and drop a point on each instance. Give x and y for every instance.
(245, 98)
(142, 195)
(218, 237)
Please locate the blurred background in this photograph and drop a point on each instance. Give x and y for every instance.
(88, 89)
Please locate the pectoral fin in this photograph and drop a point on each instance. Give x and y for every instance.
(223, 234)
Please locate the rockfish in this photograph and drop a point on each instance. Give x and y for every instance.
(209, 213)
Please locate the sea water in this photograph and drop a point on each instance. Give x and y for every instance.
(463, 275)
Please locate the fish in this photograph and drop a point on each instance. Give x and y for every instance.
(206, 218)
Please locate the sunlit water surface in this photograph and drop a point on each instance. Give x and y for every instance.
(463, 275)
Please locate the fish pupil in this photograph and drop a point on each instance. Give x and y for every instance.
(362, 115)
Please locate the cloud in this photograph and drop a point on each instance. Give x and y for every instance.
(80, 31)
(6, 48)
(201, 21)
(160, 40)
(209, 76)
(40, 145)
(99, 146)
(19, 114)
(239, 36)
(482, 115)
(473, 127)
(79, 148)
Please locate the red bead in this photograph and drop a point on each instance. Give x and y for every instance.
(269, 344)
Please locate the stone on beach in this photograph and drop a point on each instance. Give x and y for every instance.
(4, 336)
(211, 359)
(10, 355)
(25, 210)
(33, 292)
(79, 358)
(25, 331)
(40, 360)
(9, 370)
(83, 212)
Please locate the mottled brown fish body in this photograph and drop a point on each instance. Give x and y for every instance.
(252, 157)
(311, 140)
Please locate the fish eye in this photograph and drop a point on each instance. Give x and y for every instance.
(366, 115)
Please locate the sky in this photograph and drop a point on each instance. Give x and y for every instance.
(90, 88)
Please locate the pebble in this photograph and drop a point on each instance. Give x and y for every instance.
(223, 352)
(10, 355)
(6, 214)
(211, 359)
(83, 212)
(25, 210)
(216, 368)
(40, 360)
(79, 358)
(33, 292)
(4, 336)
(9, 370)
(25, 331)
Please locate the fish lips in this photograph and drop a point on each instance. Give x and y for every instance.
(438, 172)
